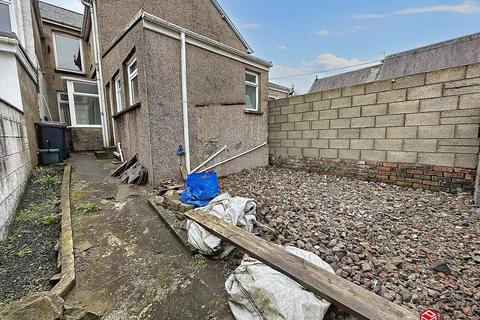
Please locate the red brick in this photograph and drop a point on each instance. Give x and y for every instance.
(431, 183)
(453, 174)
(469, 176)
(390, 164)
(418, 186)
(462, 170)
(444, 169)
(415, 171)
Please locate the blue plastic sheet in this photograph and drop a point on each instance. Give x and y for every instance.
(200, 188)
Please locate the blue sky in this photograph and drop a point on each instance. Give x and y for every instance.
(307, 36)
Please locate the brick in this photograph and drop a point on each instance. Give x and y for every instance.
(365, 99)
(321, 124)
(349, 154)
(280, 151)
(425, 145)
(466, 131)
(440, 159)
(460, 120)
(460, 91)
(310, 134)
(339, 144)
(469, 101)
(328, 153)
(327, 134)
(378, 86)
(307, 116)
(321, 105)
(373, 155)
(294, 117)
(295, 152)
(349, 112)
(353, 90)
(349, 133)
(296, 99)
(445, 131)
(320, 143)
(466, 161)
(340, 123)
(439, 104)
(403, 107)
(462, 83)
(281, 118)
(392, 96)
(402, 132)
(304, 125)
(304, 107)
(287, 109)
(425, 92)
(293, 135)
(446, 75)
(287, 126)
(373, 133)
(388, 144)
(390, 121)
(311, 153)
(401, 156)
(332, 94)
(473, 70)
(461, 113)
(409, 81)
(287, 143)
(328, 114)
(365, 144)
(315, 96)
(458, 142)
(281, 102)
(458, 149)
(422, 119)
(341, 102)
(374, 110)
(302, 143)
(363, 122)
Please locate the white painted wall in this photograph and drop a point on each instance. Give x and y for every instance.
(9, 83)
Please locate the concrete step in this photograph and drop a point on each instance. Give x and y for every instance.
(106, 153)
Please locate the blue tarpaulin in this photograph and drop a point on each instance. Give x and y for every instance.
(200, 188)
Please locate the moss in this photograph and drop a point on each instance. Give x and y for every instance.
(48, 180)
(24, 252)
(87, 208)
(35, 210)
(51, 219)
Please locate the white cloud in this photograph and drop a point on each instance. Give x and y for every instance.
(322, 32)
(331, 61)
(326, 32)
(250, 26)
(282, 47)
(370, 16)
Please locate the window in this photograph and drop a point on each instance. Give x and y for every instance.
(133, 82)
(5, 23)
(63, 108)
(84, 104)
(251, 91)
(117, 91)
(68, 53)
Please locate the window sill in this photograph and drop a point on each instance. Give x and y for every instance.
(132, 107)
(77, 73)
(258, 112)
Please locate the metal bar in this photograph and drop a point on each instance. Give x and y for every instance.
(209, 159)
(234, 157)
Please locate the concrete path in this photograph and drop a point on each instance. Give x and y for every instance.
(128, 265)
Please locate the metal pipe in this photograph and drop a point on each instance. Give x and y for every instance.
(234, 157)
(183, 58)
(209, 159)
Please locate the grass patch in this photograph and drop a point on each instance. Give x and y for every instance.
(51, 219)
(197, 263)
(49, 180)
(35, 210)
(24, 252)
(87, 208)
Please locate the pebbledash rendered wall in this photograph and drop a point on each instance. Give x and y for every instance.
(420, 130)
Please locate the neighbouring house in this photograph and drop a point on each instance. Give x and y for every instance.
(412, 120)
(276, 91)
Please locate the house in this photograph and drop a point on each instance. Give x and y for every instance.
(276, 91)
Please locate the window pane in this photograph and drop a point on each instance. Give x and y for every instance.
(134, 88)
(250, 78)
(87, 110)
(250, 97)
(68, 53)
(63, 97)
(5, 25)
(133, 67)
(81, 87)
(65, 113)
(118, 95)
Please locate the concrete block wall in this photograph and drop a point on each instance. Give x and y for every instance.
(429, 119)
(15, 165)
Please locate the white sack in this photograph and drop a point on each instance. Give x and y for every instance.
(258, 292)
(237, 211)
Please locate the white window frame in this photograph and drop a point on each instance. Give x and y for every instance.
(71, 103)
(13, 18)
(130, 78)
(253, 84)
(117, 91)
(54, 34)
(60, 100)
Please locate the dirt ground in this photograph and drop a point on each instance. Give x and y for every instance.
(28, 257)
(128, 265)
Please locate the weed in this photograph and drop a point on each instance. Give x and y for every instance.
(197, 263)
(87, 207)
(34, 210)
(24, 252)
(51, 219)
(49, 180)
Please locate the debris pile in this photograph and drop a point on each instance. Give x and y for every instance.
(132, 172)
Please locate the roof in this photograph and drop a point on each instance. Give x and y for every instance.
(278, 87)
(447, 54)
(60, 15)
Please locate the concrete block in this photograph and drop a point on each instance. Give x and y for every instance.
(281, 118)
(311, 153)
(349, 133)
(467, 131)
(425, 145)
(462, 83)
(321, 124)
(401, 156)
(388, 144)
(372, 133)
(365, 144)
(461, 113)
(466, 161)
(292, 135)
(340, 123)
(409, 81)
(403, 107)
(425, 92)
(294, 117)
(390, 121)
(327, 134)
(446, 75)
(339, 144)
(287, 143)
(328, 153)
(439, 104)
(288, 126)
(294, 152)
(364, 99)
(374, 110)
(315, 96)
(363, 122)
(271, 119)
(461, 91)
(304, 107)
(332, 94)
(378, 86)
(460, 120)
(319, 143)
(373, 155)
(458, 142)
(402, 132)
(353, 90)
(321, 105)
(344, 102)
(445, 131)
(296, 99)
(310, 134)
(328, 114)
(458, 149)
(392, 96)
(349, 154)
(469, 101)
(436, 159)
(287, 109)
(473, 70)
(303, 143)
(349, 112)
(280, 151)
(282, 135)
(422, 119)
(304, 125)
(281, 102)
(307, 116)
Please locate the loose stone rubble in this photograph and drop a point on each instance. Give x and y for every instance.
(418, 248)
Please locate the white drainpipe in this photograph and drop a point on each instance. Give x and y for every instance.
(186, 139)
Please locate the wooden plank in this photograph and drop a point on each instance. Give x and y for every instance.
(342, 293)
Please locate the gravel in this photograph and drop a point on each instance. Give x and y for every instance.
(418, 248)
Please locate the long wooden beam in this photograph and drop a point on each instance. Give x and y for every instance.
(342, 293)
